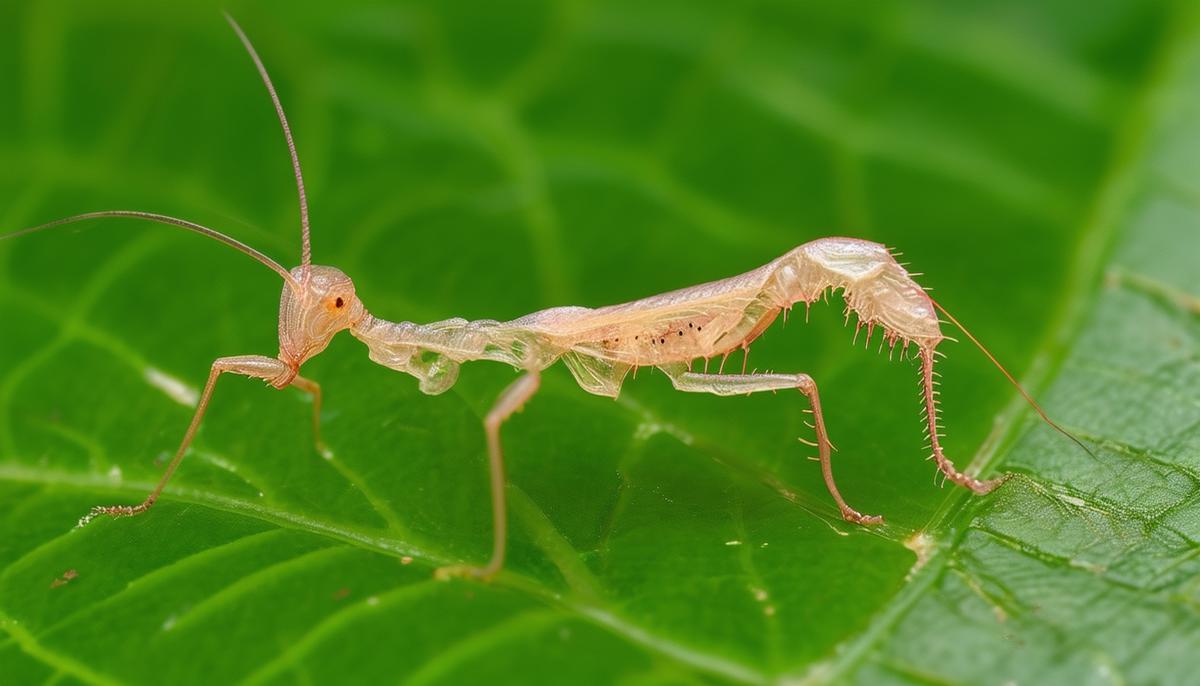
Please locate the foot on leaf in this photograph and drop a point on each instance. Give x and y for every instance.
(857, 517)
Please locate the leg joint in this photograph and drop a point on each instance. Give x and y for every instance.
(493, 420)
(805, 384)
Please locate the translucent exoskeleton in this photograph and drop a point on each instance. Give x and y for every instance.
(600, 346)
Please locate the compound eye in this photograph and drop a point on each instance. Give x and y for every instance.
(335, 303)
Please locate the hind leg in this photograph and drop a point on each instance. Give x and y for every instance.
(741, 384)
(931, 418)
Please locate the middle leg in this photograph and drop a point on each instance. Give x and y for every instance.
(741, 384)
(511, 400)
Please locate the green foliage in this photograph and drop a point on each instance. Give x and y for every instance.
(1035, 160)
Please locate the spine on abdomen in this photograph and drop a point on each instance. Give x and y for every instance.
(876, 288)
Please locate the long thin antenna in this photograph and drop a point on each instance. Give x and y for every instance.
(1028, 398)
(305, 245)
(164, 219)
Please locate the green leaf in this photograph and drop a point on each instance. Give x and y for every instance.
(1036, 162)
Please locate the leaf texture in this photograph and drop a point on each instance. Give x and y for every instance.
(1036, 161)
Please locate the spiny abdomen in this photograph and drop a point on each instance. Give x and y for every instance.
(876, 287)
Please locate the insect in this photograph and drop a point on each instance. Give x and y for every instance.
(599, 346)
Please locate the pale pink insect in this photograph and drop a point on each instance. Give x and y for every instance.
(600, 346)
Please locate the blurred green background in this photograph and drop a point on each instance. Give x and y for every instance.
(489, 159)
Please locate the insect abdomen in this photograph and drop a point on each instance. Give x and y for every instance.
(876, 288)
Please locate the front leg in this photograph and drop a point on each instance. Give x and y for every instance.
(509, 402)
(271, 370)
(313, 389)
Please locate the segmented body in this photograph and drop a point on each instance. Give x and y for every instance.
(602, 345)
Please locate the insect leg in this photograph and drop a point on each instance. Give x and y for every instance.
(314, 390)
(931, 418)
(258, 366)
(510, 401)
(741, 384)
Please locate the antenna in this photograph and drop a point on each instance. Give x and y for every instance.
(1029, 399)
(172, 221)
(305, 245)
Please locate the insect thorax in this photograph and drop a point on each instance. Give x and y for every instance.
(433, 352)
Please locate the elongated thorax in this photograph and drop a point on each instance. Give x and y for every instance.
(601, 345)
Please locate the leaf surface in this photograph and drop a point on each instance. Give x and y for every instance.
(1037, 166)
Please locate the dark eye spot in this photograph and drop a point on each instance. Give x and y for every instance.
(339, 303)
